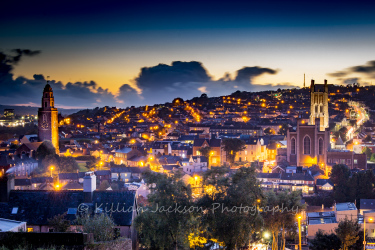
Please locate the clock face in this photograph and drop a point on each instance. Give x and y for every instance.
(44, 125)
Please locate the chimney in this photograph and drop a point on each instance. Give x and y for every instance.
(89, 186)
(6, 185)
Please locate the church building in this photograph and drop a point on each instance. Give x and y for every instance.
(308, 145)
(48, 119)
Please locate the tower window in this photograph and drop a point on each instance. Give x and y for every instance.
(45, 104)
(321, 109)
(306, 145)
(316, 109)
(321, 146)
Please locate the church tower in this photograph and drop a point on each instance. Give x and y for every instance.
(319, 104)
(48, 119)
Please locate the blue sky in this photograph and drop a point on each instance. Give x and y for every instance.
(109, 43)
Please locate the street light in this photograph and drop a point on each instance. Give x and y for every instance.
(51, 168)
(299, 231)
(267, 235)
(364, 230)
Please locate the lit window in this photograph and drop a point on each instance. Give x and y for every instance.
(30, 229)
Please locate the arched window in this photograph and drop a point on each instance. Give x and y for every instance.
(306, 145)
(293, 146)
(321, 146)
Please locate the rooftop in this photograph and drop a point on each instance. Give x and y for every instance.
(345, 206)
(8, 225)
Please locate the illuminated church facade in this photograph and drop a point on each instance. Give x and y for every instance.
(309, 144)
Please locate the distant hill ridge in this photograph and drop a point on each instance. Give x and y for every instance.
(29, 110)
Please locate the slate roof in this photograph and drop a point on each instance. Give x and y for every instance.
(188, 137)
(367, 204)
(212, 142)
(36, 207)
(73, 186)
(68, 176)
(123, 150)
(169, 159)
(170, 167)
(321, 182)
(124, 200)
(296, 176)
(120, 170)
(39, 180)
(102, 172)
(22, 182)
(269, 175)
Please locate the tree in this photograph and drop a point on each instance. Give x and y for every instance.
(160, 229)
(269, 131)
(59, 223)
(347, 231)
(367, 151)
(13, 146)
(232, 146)
(372, 157)
(49, 161)
(324, 241)
(67, 164)
(340, 174)
(104, 185)
(226, 224)
(284, 219)
(46, 148)
(206, 152)
(284, 129)
(100, 225)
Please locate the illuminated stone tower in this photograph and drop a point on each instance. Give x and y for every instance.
(48, 119)
(319, 104)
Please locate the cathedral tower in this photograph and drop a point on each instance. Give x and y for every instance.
(319, 104)
(48, 119)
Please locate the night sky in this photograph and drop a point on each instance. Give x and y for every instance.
(144, 52)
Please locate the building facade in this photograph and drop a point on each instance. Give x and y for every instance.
(48, 119)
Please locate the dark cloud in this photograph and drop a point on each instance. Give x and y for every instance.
(172, 76)
(161, 83)
(247, 73)
(368, 70)
(156, 84)
(350, 80)
(24, 90)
